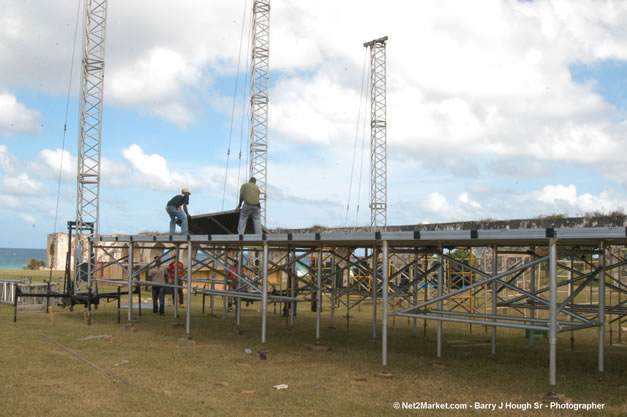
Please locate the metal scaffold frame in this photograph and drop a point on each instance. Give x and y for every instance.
(88, 156)
(378, 133)
(259, 100)
(421, 259)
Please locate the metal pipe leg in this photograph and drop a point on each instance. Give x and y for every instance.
(238, 302)
(375, 255)
(384, 307)
(130, 281)
(494, 296)
(188, 302)
(440, 283)
(602, 311)
(552, 312)
(532, 289)
(264, 295)
(318, 294)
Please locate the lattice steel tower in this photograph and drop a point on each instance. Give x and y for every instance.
(378, 136)
(88, 172)
(259, 99)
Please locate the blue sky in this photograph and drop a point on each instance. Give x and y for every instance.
(496, 109)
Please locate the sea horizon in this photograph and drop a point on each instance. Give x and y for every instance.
(17, 258)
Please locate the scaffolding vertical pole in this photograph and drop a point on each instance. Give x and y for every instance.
(440, 304)
(89, 282)
(415, 279)
(375, 255)
(494, 272)
(259, 99)
(292, 304)
(378, 134)
(130, 279)
(188, 309)
(89, 140)
(602, 310)
(384, 306)
(318, 294)
(264, 295)
(620, 299)
(213, 284)
(552, 311)
(426, 284)
(175, 293)
(333, 290)
(238, 302)
(532, 290)
(224, 284)
(570, 291)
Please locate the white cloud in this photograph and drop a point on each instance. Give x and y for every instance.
(439, 209)
(15, 117)
(319, 110)
(152, 170)
(519, 167)
(503, 204)
(22, 184)
(48, 163)
(8, 163)
(28, 219)
(114, 173)
(9, 202)
(156, 82)
(565, 199)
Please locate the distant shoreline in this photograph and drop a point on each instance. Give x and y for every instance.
(15, 259)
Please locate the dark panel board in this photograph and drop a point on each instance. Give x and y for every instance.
(219, 223)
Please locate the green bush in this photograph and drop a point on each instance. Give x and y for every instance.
(34, 264)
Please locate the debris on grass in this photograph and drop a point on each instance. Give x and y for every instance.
(10, 385)
(248, 351)
(223, 384)
(280, 387)
(262, 355)
(385, 374)
(122, 362)
(102, 336)
(186, 341)
(130, 327)
(466, 343)
(236, 332)
(554, 397)
(248, 392)
(316, 347)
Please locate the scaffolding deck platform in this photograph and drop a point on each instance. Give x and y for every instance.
(581, 236)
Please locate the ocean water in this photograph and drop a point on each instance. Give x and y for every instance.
(11, 258)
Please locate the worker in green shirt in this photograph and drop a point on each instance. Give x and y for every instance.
(249, 195)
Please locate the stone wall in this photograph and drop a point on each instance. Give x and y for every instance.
(487, 224)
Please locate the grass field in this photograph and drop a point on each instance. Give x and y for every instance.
(47, 370)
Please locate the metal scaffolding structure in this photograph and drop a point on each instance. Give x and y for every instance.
(88, 155)
(401, 265)
(378, 135)
(259, 99)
